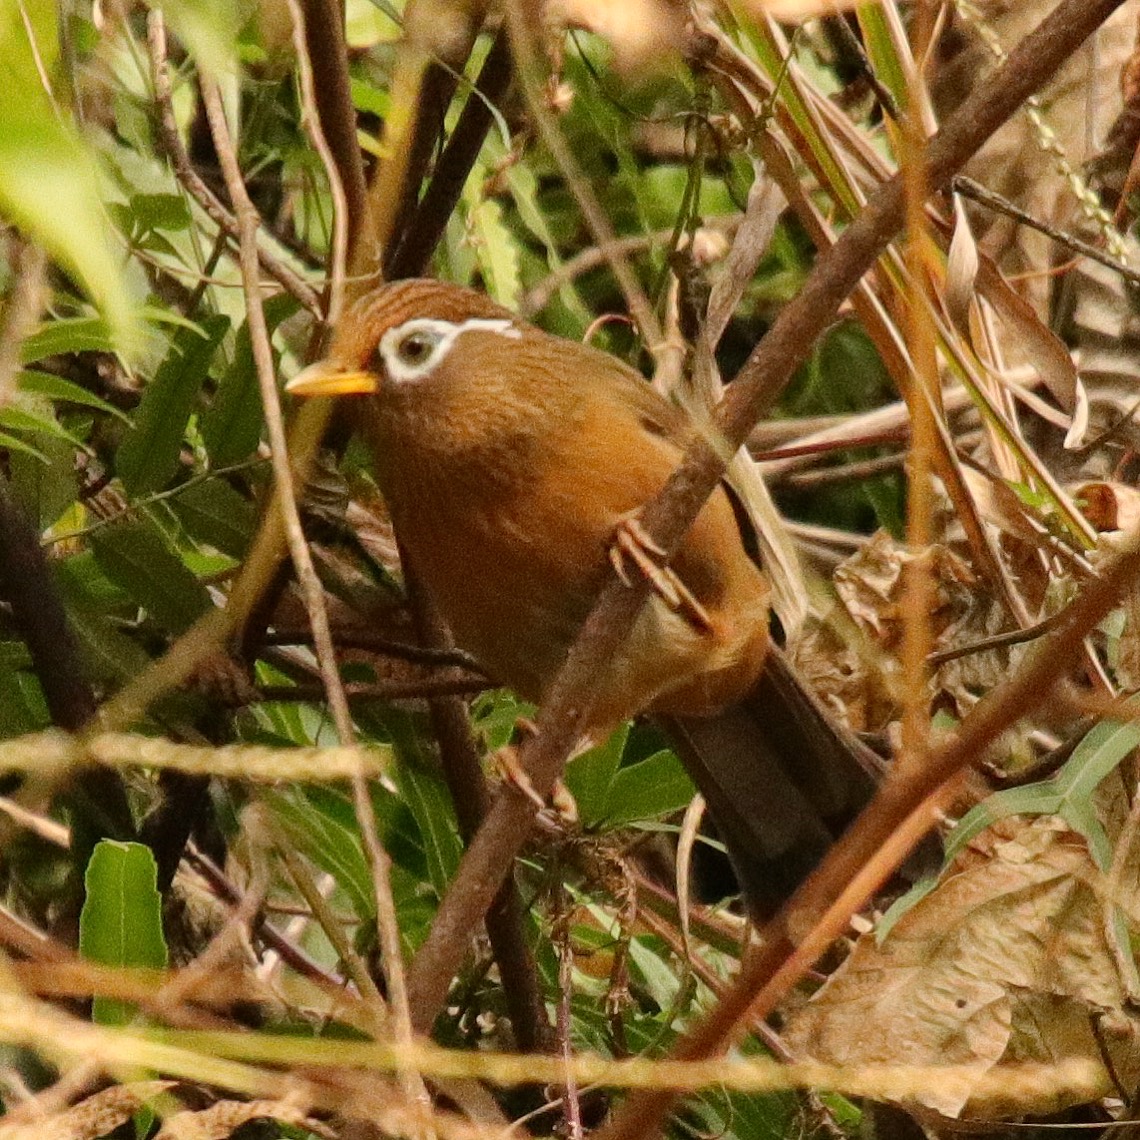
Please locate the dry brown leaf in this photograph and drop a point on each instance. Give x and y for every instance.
(1006, 961)
(999, 506)
(224, 1118)
(844, 674)
(961, 271)
(1108, 505)
(1079, 104)
(98, 1114)
(871, 586)
(1040, 346)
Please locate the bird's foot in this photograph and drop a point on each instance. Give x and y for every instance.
(557, 815)
(506, 759)
(632, 546)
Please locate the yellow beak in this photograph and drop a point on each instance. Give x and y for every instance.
(328, 379)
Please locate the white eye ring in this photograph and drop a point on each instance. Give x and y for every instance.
(416, 348)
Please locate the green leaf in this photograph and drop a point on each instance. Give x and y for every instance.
(610, 794)
(48, 177)
(15, 443)
(66, 336)
(147, 458)
(426, 797)
(160, 211)
(495, 250)
(135, 556)
(369, 99)
(22, 707)
(57, 388)
(322, 825)
(121, 921)
(231, 425)
(213, 512)
(36, 417)
(46, 487)
(1068, 794)
(650, 789)
(496, 716)
(108, 653)
(590, 776)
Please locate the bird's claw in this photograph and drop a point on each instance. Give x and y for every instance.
(561, 811)
(632, 546)
(506, 759)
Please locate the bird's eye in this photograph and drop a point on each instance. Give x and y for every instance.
(416, 348)
(412, 352)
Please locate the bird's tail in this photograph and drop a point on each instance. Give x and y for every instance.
(782, 778)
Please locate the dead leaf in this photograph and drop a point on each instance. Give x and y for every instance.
(1041, 347)
(224, 1118)
(961, 271)
(98, 1114)
(1108, 505)
(1006, 961)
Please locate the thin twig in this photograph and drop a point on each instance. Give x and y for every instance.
(564, 949)
(311, 124)
(997, 641)
(968, 188)
(440, 50)
(144, 501)
(522, 21)
(353, 637)
(311, 590)
(326, 59)
(286, 950)
(420, 688)
(192, 181)
(847, 473)
(921, 395)
(538, 296)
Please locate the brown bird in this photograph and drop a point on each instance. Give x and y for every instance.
(514, 464)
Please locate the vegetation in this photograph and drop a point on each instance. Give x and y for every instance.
(242, 767)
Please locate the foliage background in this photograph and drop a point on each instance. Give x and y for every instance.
(136, 454)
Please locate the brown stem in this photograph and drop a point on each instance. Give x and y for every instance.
(505, 920)
(291, 282)
(418, 240)
(311, 590)
(328, 56)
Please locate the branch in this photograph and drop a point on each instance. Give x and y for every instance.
(291, 282)
(328, 58)
(410, 257)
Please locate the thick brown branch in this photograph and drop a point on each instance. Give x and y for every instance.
(328, 56)
(421, 237)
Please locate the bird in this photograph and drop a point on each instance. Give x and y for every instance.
(515, 464)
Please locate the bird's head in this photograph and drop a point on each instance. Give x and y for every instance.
(408, 333)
